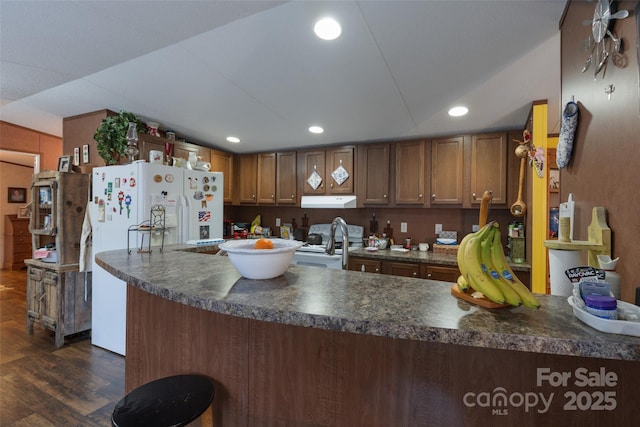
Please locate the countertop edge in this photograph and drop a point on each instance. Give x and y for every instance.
(474, 338)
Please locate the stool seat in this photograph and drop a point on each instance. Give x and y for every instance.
(170, 401)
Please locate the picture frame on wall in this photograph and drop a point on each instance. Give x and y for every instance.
(64, 163)
(76, 156)
(16, 195)
(85, 153)
(24, 212)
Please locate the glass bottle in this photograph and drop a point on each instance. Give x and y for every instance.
(132, 142)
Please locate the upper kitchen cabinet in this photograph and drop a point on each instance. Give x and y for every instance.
(148, 143)
(286, 178)
(447, 173)
(410, 173)
(373, 176)
(223, 162)
(488, 168)
(247, 171)
(266, 179)
(182, 150)
(329, 171)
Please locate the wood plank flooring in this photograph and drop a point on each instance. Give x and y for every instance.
(76, 385)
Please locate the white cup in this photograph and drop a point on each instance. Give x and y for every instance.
(423, 247)
(156, 156)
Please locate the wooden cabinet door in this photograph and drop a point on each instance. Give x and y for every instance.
(182, 150)
(447, 172)
(314, 161)
(35, 292)
(488, 167)
(223, 162)
(286, 179)
(147, 143)
(336, 157)
(364, 265)
(442, 273)
(410, 173)
(247, 178)
(373, 173)
(404, 269)
(266, 179)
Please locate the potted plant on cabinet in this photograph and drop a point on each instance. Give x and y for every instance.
(111, 136)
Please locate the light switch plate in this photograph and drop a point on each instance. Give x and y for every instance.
(403, 227)
(475, 227)
(438, 228)
(277, 222)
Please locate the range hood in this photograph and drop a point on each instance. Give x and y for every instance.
(334, 202)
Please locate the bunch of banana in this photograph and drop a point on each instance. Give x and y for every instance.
(484, 268)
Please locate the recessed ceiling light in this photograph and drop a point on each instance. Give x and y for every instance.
(315, 129)
(233, 139)
(327, 29)
(458, 111)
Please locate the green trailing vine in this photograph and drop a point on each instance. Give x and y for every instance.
(111, 136)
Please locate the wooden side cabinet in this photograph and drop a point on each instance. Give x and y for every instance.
(58, 298)
(17, 242)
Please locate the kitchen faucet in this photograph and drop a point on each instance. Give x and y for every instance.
(331, 243)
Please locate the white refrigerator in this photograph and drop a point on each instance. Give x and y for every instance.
(122, 197)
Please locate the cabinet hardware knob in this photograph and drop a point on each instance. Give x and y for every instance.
(433, 196)
(293, 197)
(429, 275)
(272, 196)
(331, 185)
(253, 196)
(377, 270)
(415, 274)
(420, 196)
(473, 195)
(384, 196)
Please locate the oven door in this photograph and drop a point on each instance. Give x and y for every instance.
(317, 259)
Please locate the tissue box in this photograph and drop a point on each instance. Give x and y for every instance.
(445, 249)
(45, 255)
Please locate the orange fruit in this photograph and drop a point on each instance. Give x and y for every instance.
(263, 244)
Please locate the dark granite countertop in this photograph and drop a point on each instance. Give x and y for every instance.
(427, 257)
(364, 303)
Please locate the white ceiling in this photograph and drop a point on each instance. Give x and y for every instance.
(254, 69)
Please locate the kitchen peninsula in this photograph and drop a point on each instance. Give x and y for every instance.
(342, 348)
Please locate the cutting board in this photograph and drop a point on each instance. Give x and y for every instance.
(482, 302)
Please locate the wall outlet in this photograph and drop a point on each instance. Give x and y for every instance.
(438, 228)
(475, 227)
(403, 227)
(277, 222)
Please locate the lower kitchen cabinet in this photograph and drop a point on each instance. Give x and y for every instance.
(404, 269)
(365, 265)
(58, 298)
(439, 272)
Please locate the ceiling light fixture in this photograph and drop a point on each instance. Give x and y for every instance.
(233, 139)
(315, 129)
(458, 111)
(327, 29)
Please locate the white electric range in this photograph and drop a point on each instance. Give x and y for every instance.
(314, 255)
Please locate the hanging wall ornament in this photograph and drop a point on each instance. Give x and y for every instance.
(340, 175)
(314, 179)
(567, 133)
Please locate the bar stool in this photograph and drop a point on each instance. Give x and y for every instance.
(170, 401)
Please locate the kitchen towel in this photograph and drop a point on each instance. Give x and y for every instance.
(559, 261)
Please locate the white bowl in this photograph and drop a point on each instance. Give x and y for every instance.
(260, 263)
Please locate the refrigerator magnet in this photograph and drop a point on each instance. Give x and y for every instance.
(157, 178)
(205, 179)
(168, 177)
(116, 182)
(132, 182)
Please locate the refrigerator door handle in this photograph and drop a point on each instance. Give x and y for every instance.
(186, 218)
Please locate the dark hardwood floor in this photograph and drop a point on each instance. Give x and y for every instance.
(76, 385)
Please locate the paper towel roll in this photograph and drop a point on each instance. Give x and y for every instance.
(559, 261)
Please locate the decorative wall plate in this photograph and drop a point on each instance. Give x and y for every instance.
(314, 180)
(340, 175)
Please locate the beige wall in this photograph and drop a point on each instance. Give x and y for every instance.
(604, 166)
